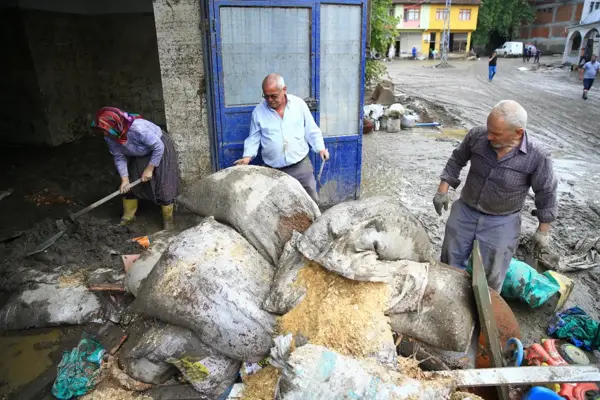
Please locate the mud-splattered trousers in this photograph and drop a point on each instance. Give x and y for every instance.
(498, 237)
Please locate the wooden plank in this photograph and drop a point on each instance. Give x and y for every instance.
(521, 375)
(487, 320)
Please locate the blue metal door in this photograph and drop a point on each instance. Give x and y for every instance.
(318, 47)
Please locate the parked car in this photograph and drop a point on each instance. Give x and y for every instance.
(510, 49)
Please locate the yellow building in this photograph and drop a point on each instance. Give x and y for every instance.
(422, 23)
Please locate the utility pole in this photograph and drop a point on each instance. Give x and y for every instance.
(446, 35)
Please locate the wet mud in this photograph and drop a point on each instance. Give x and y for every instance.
(407, 165)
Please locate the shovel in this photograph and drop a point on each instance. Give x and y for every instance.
(62, 227)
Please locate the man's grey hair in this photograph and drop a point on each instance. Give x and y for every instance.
(278, 79)
(512, 113)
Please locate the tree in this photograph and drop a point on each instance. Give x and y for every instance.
(383, 34)
(501, 20)
(383, 26)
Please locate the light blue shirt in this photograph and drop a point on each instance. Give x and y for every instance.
(591, 70)
(284, 140)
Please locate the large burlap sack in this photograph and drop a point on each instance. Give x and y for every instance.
(407, 284)
(47, 304)
(357, 239)
(156, 351)
(286, 292)
(314, 372)
(263, 204)
(212, 281)
(447, 317)
(140, 269)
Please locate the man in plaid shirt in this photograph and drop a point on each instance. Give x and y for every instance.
(505, 163)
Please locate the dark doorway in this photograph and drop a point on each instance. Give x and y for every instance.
(451, 42)
(432, 41)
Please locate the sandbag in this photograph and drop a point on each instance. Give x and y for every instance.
(148, 259)
(285, 292)
(212, 281)
(447, 317)
(47, 304)
(355, 239)
(162, 349)
(317, 373)
(263, 204)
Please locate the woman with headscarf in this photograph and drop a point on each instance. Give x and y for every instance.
(140, 150)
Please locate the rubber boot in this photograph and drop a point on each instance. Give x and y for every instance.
(129, 208)
(167, 213)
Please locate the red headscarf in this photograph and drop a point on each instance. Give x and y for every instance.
(114, 122)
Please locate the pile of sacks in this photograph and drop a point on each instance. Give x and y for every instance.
(265, 264)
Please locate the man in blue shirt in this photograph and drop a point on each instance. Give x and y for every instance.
(414, 53)
(284, 127)
(590, 70)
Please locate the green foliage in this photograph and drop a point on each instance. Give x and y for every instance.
(501, 18)
(383, 26)
(374, 71)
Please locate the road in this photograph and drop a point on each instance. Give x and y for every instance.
(407, 165)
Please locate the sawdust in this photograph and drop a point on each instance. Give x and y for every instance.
(410, 367)
(109, 393)
(262, 384)
(343, 315)
(465, 396)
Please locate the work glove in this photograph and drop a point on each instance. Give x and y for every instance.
(540, 241)
(441, 200)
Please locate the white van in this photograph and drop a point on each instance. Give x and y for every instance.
(510, 49)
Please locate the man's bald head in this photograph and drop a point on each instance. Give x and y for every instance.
(274, 91)
(273, 80)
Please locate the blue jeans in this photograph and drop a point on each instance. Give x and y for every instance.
(492, 71)
(498, 237)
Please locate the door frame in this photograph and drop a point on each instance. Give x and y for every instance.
(216, 72)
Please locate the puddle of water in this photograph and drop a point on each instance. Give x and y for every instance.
(450, 133)
(25, 357)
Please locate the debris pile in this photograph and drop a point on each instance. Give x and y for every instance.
(267, 287)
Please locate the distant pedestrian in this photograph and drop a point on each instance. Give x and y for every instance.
(492, 62)
(435, 53)
(590, 70)
(525, 50)
(538, 54)
(529, 50)
(414, 53)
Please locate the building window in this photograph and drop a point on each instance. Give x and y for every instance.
(594, 5)
(411, 15)
(440, 13)
(597, 4)
(464, 15)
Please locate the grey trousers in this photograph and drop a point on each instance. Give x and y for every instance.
(305, 174)
(498, 237)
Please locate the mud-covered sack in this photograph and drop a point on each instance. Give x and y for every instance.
(140, 269)
(156, 351)
(44, 305)
(286, 292)
(407, 283)
(212, 281)
(263, 204)
(357, 238)
(447, 317)
(317, 373)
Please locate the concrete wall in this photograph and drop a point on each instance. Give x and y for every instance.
(85, 57)
(548, 30)
(180, 49)
(21, 111)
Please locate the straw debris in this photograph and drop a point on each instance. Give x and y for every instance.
(343, 315)
(262, 384)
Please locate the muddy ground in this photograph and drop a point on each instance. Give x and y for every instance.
(407, 165)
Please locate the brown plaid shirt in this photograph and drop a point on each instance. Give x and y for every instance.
(499, 187)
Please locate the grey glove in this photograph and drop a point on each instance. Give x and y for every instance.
(540, 241)
(441, 200)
